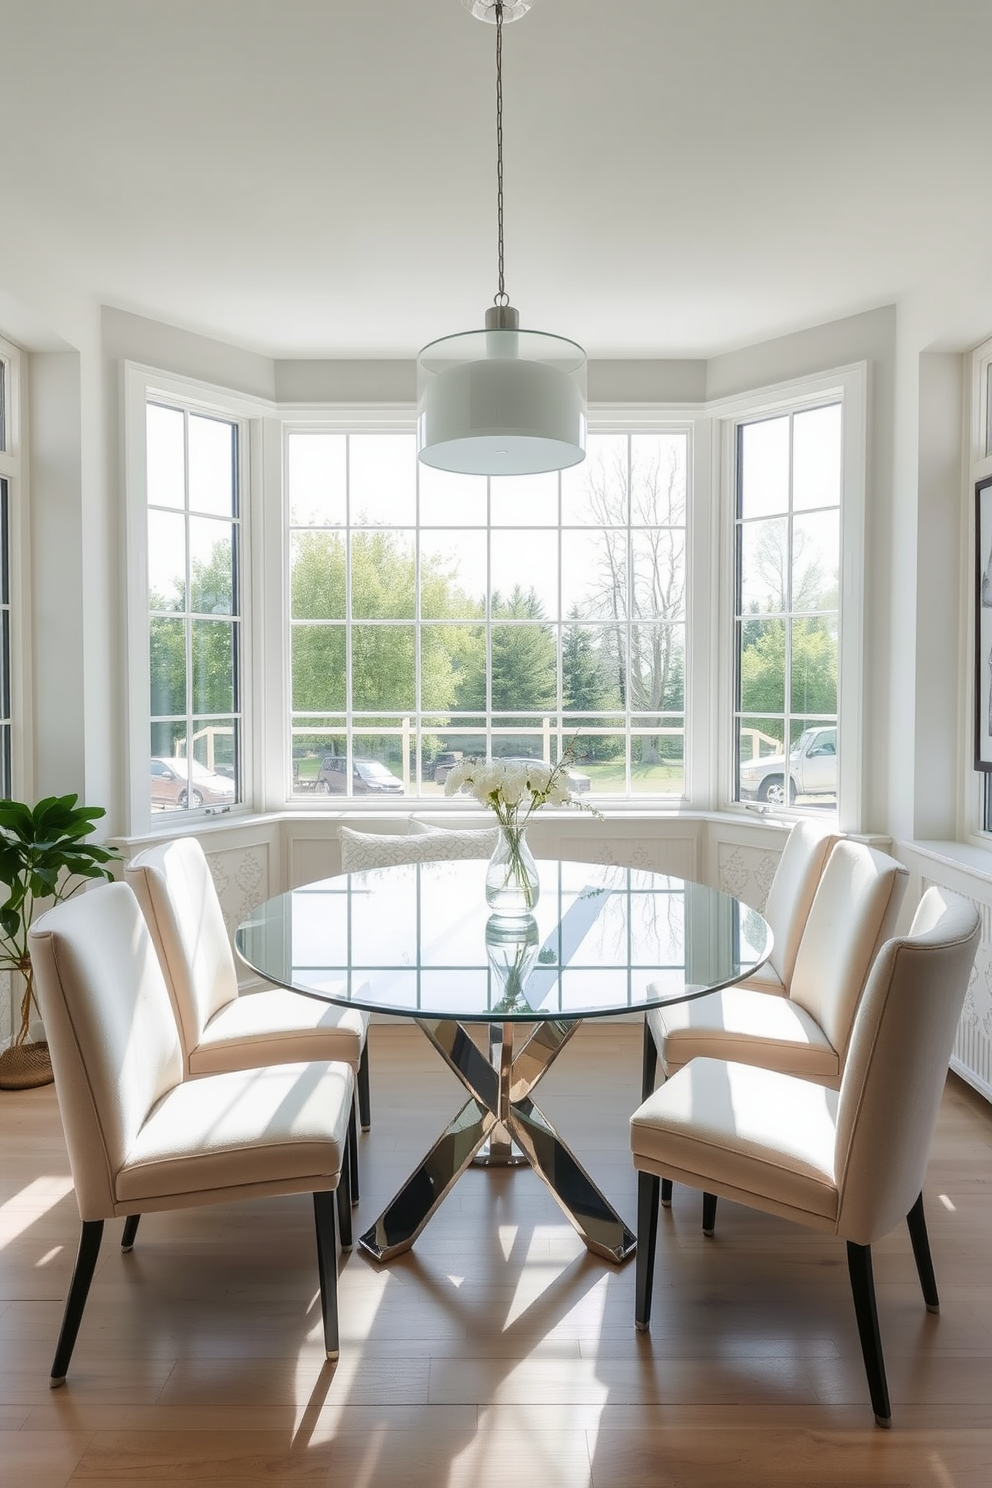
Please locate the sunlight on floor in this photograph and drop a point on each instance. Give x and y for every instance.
(25, 1208)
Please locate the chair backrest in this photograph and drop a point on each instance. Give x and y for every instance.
(897, 1064)
(361, 850)
(790, 897)
(114, 1046)
(854, 911)
(173, 885)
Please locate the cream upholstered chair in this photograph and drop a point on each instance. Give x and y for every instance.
(790, 897)
(854, 910)
(848, 1162)
(219, 1029)
(140, 1136)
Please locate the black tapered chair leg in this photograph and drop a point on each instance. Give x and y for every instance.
(130, 1230)
(863, 1291)
(666, 1193)
(709, 1213)
(327, 1269)
(649, 1062)
(89, 1248)
(364, 1089)
(921, 1251)
(647, 1242)
(345, 1201)
(353, 1150)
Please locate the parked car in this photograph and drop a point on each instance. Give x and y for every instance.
(811, 770)
(180, 784)
(368, 777)
(577, 782)
(445, 763)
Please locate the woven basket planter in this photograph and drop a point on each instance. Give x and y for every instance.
(24, 1066)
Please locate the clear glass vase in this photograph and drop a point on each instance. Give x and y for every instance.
(512, 883)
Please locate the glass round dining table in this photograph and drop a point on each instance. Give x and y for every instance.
(418, 941)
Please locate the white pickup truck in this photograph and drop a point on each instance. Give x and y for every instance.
(812, 770)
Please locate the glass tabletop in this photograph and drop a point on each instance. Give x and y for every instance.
(418, 940)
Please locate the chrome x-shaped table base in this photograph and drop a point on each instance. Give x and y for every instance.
(499, 1111)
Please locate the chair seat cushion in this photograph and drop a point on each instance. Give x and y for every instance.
(744, 1128)
(277, 1025)
(747, 1026)
(225, 1132)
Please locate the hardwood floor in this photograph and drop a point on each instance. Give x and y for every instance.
(498, 1351)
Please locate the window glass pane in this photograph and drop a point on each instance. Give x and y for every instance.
(524, 574)
(211, 551)
(815, 561)
(524, 668)
(214, 659)
(380, 768)
(657, 668)
(762, 667)
(383, 576)
(383, 477)
(317, 470)
(383, 668)
(764, 566)
(447, 499)
(211, 466)
(816, 457)
(657, 759)
(445, 653)
(166, 560)
(988, 435)
(524, 501)
(658, 479)
(318, 662)
(594, 573)
(3, 404)
(318, 576)
(764, 475)
(167, 665)
(165, 449)
(596, 490)
(814, 666)
(452, 575)
(593, 668)
(659, 574)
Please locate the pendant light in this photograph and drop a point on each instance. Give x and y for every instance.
(501, 401)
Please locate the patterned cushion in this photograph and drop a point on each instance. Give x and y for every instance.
(360, 850)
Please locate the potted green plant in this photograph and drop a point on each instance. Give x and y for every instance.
(42, 857)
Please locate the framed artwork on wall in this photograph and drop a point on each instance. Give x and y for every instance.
(983, 625)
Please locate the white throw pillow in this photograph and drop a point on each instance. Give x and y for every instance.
(361, 850)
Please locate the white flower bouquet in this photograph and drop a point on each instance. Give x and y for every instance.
(514, 789)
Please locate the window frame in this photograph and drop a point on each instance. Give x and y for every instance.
(978, 440)
(143, 385)
(633, 419)
(849, 386)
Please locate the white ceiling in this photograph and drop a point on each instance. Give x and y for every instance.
(317, 177)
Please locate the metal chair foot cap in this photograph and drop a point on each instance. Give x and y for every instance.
(55, 1381)
(367, 1128)
(332, 1354)
(126, 1249)
(666, 1203)
(354, 1203)
(641, 1327)
(709, 1234)
(884, 1421)
(933, 1307)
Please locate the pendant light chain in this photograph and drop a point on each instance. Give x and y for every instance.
(501, 297)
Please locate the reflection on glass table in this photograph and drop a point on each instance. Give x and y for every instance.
(418, 941)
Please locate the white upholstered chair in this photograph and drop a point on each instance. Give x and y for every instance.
(848, 1162)
(854, 910)
(142, 1137)
(790, 898)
